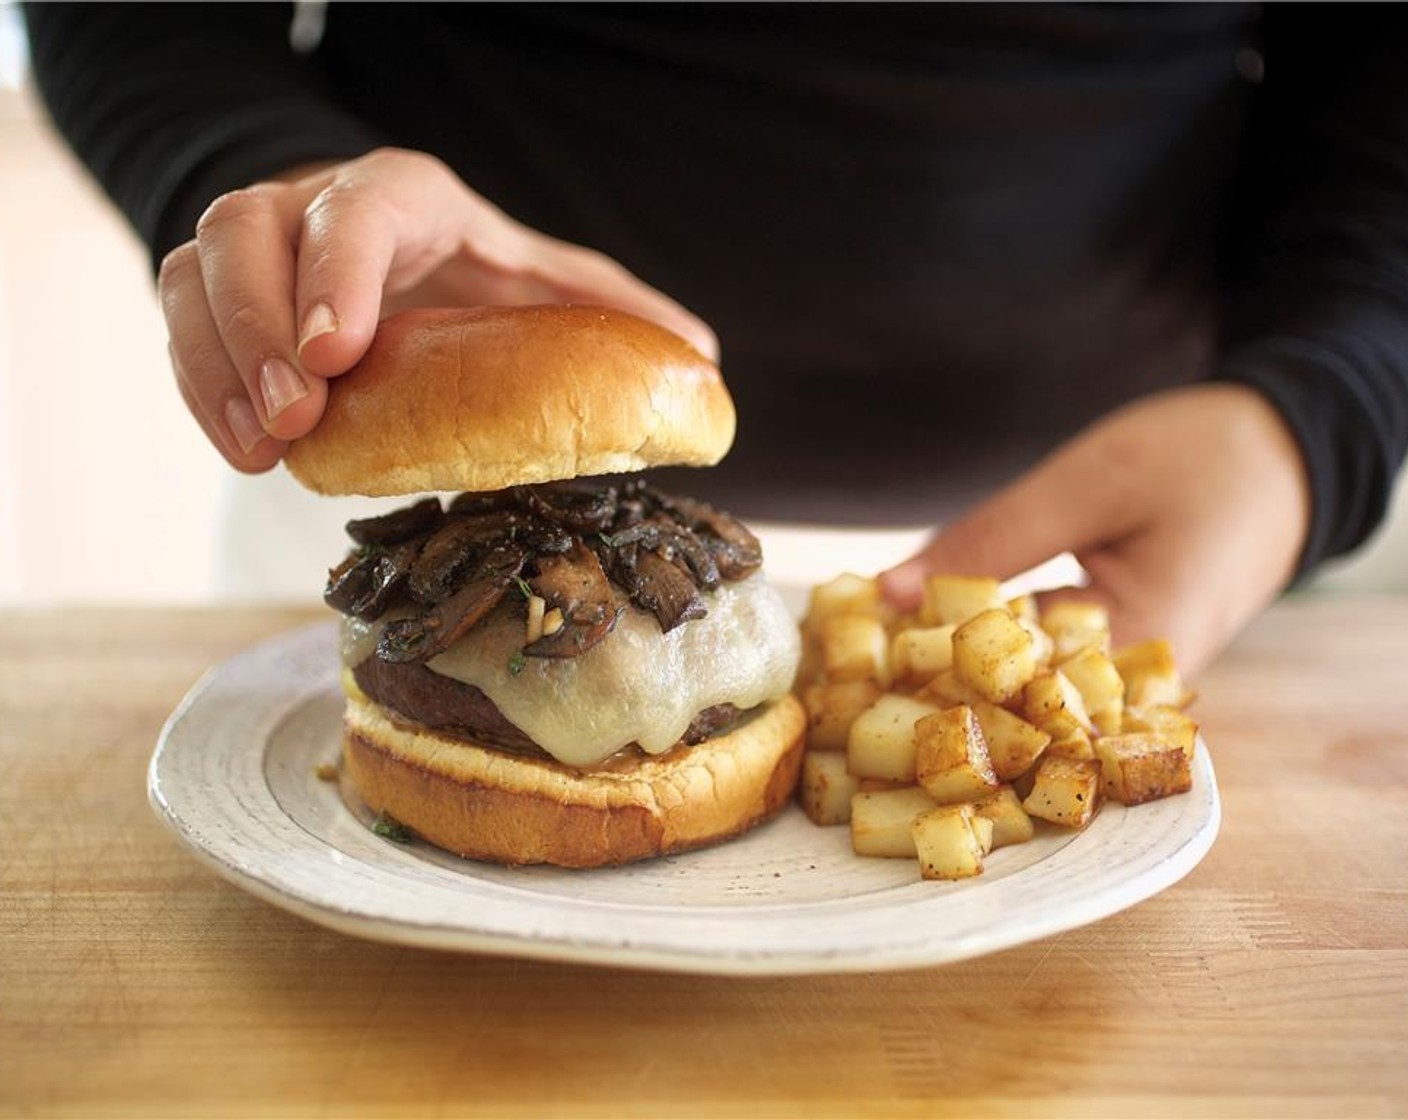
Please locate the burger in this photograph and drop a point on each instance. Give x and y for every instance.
(553, 661)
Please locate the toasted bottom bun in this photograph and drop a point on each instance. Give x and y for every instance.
(491, 805)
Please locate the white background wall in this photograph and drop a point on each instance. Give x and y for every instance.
(108, 492)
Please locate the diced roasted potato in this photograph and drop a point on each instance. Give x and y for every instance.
(1053, 703)
(956, 599)
(1013, 743)
(951, 757)
(917, 654)
(832, 706)
(946, 690)
(1100, 687)
(985, 830)
(877, 785)
(1074, 626)
(1169, 722)
(993, 655)
(846, 594)
(827, 788)
(1074, 744)
(1066, 791)
(855, 647)
(881, 742)
(1139, 768)
(1022, 783)
(965, 721)
(1010, 823)
(948, 843)
(1024, 609)
(882, 823)
(1151, 675)
(1043, 648)
(809, 670)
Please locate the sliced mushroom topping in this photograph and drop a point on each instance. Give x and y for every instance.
(576, 540)
(661, 587)
(398, 525)
(348, 582)
(421, 638)
(451, 550)
(677, 542)
(735, 550)
(582, 509)
(541, 535)
(390, 570)
(472, 502)
(575, 584)
(668, 592)
(366, 583)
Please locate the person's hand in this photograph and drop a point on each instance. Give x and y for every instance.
(285, 282)
(1188, 509)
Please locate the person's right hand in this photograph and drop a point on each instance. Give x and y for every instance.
(285, 282)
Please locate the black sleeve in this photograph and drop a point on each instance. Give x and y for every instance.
(170, 105)
(1321, 322)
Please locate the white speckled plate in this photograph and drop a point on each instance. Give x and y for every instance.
(233, 776)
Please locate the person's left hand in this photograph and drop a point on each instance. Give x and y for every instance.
(1188, 509)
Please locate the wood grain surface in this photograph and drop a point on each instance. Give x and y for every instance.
(1273, 981)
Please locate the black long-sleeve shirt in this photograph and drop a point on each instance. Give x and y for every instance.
(935, 240)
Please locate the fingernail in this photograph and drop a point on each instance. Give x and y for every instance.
(320, 320)
(281, 385)
(244, 425)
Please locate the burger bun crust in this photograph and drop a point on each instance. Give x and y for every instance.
(488, 804)
(485, 398)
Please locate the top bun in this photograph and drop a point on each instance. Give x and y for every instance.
(491, 397)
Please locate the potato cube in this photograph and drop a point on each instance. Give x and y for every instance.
(826, 788)
(1013, 743)
(1165, 721)
(946, 690)
(881, 742)
(1151, 675)
(1053, 703)
(1139, 768)
(882, 823)
(947, 843)
(1075, 744)
(993, 655)
(983, 829)
(1100, 687)
(1043, 648)
(917, 654)
(1022, 783)
(951, 757)
(875, 785)
(832, 706)
(1024, 609)
(846, 594)
(855, 647)
(1066, 791)
(956, 599)
(809, 670)
(1075, 625)
(1010, 823)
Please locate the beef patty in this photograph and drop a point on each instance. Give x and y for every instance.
(453, 707)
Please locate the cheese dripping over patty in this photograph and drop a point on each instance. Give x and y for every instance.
(637, 686)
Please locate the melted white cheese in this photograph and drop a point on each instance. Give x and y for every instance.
(637, 685)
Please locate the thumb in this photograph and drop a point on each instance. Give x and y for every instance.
(1074, 499)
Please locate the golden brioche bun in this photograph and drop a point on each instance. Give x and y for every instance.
(490, 397)
(488, 804)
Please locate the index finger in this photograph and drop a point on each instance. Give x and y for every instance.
(245, 241)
